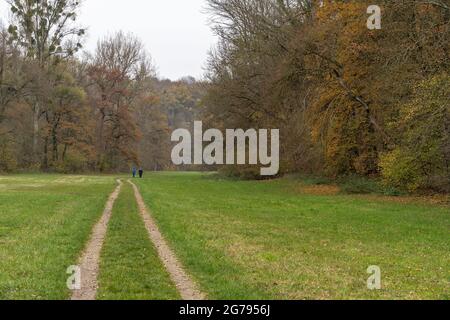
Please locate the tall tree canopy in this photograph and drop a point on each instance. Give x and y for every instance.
(314, 70)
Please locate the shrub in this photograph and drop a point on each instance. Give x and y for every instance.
(74, 162)
(399, 170)
(244, 172)
(359, 185)
(421, 159)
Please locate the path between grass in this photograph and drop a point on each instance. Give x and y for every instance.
(130, 268)
(90, 260)
(186, 287)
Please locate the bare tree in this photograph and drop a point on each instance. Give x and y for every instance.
(118, 73)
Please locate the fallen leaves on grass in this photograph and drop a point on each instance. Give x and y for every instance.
(319, 190)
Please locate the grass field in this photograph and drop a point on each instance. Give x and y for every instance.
(45, 222)
(266, 240)
(238, 240)
(130, 267)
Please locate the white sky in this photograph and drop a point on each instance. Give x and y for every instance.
(175, 32)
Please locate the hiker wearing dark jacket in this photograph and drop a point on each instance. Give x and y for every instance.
(141, 173)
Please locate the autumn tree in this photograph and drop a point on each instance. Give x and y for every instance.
(249, 86)
(118, 73)
(12, 86)
(152, 120)
(314, 70)
(68, 133)
(46, 32)
(360, 72)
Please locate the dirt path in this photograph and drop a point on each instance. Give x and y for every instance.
(90, 260)
(186, 287)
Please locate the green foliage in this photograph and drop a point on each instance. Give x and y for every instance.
(74, 162)
(421, 159)
(68, 94)
(399, 170)
(45, 28)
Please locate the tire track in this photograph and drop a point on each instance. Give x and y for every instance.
(186, 287)
(90, 259)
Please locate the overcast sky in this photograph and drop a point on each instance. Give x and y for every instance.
(175, 32)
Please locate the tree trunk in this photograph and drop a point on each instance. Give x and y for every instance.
(64, 152)
(55, 146)
(55, 138)
(45, 164)
(36, 116)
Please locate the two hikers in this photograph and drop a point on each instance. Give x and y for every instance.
(135, 172)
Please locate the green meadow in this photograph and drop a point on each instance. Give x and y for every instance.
(277, 239)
